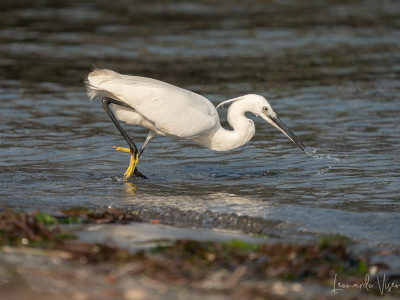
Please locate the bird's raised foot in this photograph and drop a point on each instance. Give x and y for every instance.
(122, 149)
(132, 163)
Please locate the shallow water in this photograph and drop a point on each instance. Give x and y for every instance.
(330, 70)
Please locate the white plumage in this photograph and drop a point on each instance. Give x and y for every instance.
(156, 102)
(171, 111)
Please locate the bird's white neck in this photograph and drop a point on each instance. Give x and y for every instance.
(243, 130)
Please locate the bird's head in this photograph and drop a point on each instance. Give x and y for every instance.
(260, 107)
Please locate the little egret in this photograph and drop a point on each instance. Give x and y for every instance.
(171, 111)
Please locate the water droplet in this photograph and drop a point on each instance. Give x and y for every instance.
(328, 158)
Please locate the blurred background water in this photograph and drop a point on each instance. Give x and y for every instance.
(330, 69)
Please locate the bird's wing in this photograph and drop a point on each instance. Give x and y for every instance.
(174, 111)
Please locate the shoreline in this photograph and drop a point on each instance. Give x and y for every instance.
(63, 247)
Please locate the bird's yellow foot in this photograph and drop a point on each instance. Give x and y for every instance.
(132, 163)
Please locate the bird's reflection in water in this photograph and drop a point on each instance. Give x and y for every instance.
(130, 188)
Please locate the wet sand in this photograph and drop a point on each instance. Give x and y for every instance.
(83, 260)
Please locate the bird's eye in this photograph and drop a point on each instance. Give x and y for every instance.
(265, 108)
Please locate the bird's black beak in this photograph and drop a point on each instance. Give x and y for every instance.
(275, 121)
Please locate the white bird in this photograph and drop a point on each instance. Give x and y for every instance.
(168, 110)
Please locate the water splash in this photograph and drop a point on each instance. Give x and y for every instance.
(328, 158)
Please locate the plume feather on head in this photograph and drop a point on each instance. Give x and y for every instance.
(229, 101)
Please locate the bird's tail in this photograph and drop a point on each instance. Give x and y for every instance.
(95, 81)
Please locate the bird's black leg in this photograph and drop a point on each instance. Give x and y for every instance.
(134, 151)
(106, 106)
